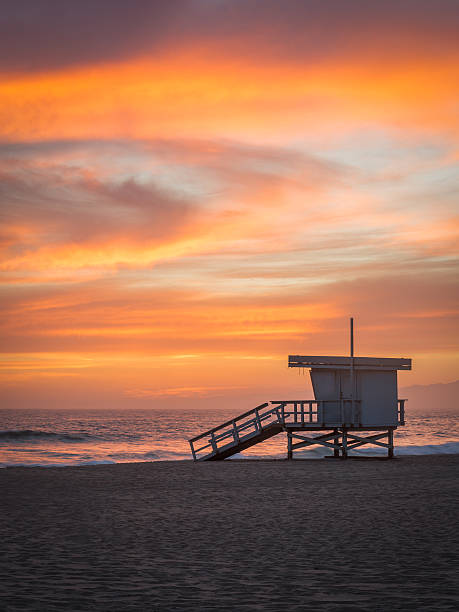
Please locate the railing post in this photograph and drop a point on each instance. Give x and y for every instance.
(258, 420)
(213, 442)
(235, 432)
(295, 412)
(401, 412)
(279, 410)
(193, 451)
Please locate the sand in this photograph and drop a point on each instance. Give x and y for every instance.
(251, 535)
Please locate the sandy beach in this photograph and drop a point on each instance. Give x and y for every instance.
(234, 535)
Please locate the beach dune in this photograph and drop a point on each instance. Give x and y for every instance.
(234, 535)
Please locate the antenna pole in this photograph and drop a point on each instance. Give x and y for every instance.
(352, 336)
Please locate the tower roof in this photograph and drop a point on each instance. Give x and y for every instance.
(341, 363)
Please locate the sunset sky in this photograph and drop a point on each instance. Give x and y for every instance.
(191, 190)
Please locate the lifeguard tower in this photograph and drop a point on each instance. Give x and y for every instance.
(352, 396)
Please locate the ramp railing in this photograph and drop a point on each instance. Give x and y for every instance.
(401, 411)
(302, 412)
(252, 423)
(232, 432)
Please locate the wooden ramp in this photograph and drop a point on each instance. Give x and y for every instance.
(253, 427)
(291, 417)
(236, 435)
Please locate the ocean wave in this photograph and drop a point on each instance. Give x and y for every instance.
(34, 434)
(33, 457)
(447, 448)
(131, 456)
(43, 464)
(17, 435)
(46, 458)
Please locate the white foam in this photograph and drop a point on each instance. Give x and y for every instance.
(448, 448)
(54, 465)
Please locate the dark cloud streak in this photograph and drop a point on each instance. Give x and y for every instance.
(62, 204)
(51, 34)
(58, 203)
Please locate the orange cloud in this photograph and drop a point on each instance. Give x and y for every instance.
(187, 96)
(181, 392)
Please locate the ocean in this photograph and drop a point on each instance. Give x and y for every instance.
(85, 437)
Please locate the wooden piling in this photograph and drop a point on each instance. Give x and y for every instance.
(289, 447)
(390, 441)
(344, 444)
(336, 442)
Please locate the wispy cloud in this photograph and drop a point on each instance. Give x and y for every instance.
(184, 392)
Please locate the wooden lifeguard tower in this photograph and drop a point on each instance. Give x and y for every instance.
(352, 396)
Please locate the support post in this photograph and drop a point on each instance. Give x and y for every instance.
(289, 447)
(344, 445)
(336, 442)
(390, 441)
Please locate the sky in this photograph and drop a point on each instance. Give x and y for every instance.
(192, 190)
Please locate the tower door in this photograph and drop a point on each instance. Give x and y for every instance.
(346, 395)
(327, 388)
(344, 384)
(333, 387)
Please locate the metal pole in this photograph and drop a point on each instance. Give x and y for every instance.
(352, 336)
